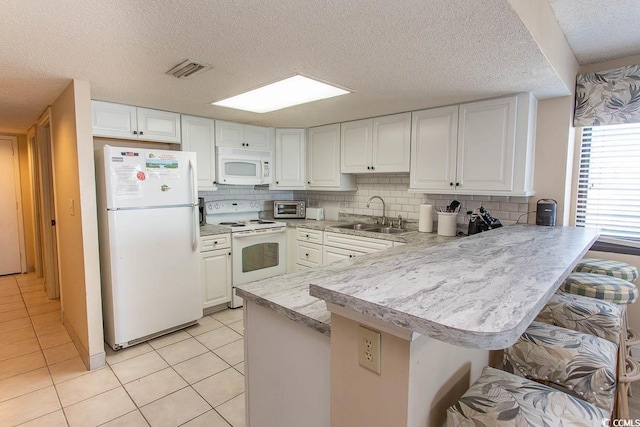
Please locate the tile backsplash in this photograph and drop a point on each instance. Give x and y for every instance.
(393, 189)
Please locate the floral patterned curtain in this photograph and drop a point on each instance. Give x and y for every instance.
(608, 98)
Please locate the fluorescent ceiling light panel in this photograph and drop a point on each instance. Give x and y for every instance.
(282, 94)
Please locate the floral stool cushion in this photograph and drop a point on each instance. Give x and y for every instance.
(498, 399)
(618, 269)
(583, 314)
(576, 363)
(606, 288)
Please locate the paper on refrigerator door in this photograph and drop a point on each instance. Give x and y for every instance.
(162, 166)
(127, 176)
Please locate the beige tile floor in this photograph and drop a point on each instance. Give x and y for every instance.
(193, 377)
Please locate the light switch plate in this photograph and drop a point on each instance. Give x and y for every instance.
(369, 349)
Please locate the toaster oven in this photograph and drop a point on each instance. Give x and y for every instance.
(289, 209)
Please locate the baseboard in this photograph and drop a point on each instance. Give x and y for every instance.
(95, 361)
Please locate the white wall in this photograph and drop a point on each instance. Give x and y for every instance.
(77, 228)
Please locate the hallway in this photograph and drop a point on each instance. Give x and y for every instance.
(193, 377)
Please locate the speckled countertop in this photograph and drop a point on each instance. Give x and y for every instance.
(210, 230)
(289, 294)
(479, 292)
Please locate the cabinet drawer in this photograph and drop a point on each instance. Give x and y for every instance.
(218, 241)
(357, 243)
(308, 235)
(309, 254)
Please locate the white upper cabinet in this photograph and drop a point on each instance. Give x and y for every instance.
(434, 144)
(355, 145)
(198, 135)
(290, 159)
(381, 144)
(129, 122)
(391, 143)
(323, 160)
(483, 147)
(238, 135)
(156, 125)
(486, 145)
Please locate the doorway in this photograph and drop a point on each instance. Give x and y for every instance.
(44, 209)
(11, 232)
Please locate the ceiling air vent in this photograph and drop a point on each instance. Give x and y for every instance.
(188, 68)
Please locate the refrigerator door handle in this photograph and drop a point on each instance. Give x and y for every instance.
(195, 220)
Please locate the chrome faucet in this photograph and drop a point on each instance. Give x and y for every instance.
(384, 219)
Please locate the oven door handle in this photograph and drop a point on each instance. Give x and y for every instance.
(254, 234)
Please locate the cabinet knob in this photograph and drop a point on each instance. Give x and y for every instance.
(141, 133)
(308, 182)
(215, 243)
(277, 182)
(368, 167)
(457, 184)
(306, 255)
(451, 184)
(215, 182)
(372, 168)
(229, 253)
(135, 132)
(307, 236)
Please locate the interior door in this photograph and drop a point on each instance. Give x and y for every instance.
(10, 261)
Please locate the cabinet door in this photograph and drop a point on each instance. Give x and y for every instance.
(290, 158)
(257, 138)
(331, 255)
(323, 156)
(486, 141)
(114, 120)
(198, 135)
(229, 134)
(216, 277)
(391, 143)
(434, 139)
(160, 126)
(355, 146)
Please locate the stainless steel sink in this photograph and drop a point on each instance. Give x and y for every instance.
(359, 226)
(388, 230)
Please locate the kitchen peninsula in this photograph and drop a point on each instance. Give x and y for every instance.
(440, 306)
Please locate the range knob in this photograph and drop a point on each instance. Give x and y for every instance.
(217, 206)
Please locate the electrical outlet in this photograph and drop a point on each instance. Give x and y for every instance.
(369, 349)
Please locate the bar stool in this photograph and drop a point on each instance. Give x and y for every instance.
(607, 286)
(573, 362)
(607, 267)
(583, 314)
(500, 399)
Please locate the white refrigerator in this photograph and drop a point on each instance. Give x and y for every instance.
(149, 234)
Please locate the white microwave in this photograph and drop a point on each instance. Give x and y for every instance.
(243, 167)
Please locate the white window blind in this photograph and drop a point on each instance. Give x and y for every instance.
(609, 180)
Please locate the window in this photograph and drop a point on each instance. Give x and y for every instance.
(609, 180)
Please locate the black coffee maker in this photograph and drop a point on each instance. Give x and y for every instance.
(203, 211)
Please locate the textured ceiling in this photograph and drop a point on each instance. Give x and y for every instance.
(599, 30)
(396, 55)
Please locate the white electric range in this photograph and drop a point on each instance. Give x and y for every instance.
(258, 247)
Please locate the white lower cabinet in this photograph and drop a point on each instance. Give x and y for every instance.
(308, 248)
(314, 248)
(215, 255)
(338, 246)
